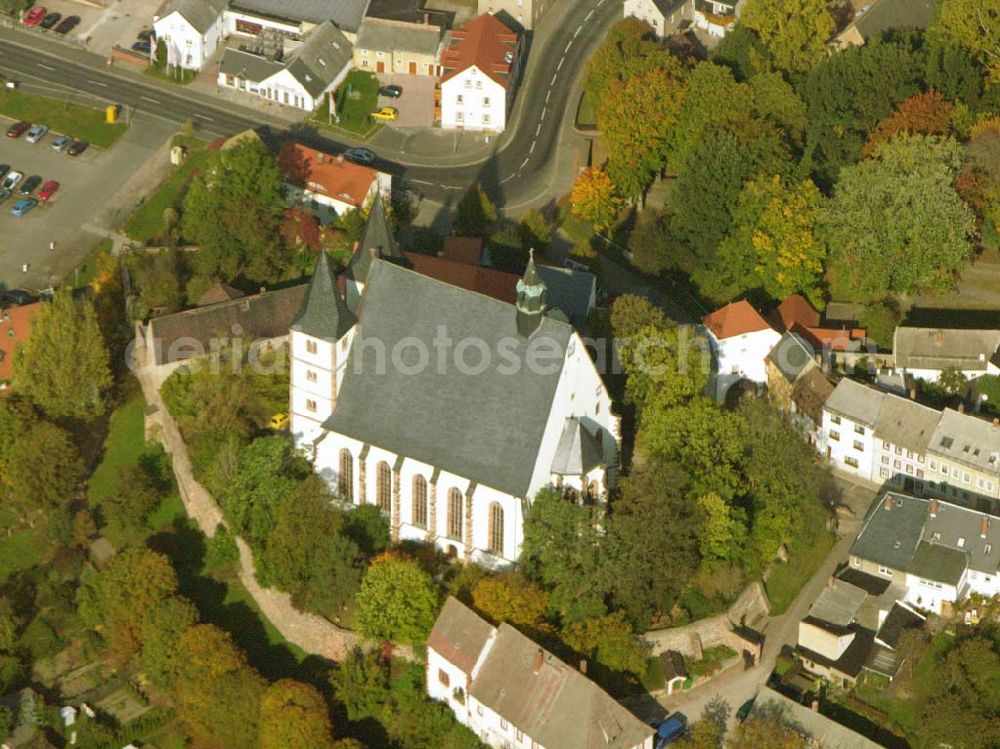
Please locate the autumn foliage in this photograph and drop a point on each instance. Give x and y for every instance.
(927, 114)
(594, 199)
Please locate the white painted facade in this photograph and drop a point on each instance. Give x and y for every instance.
(663, 24)
(850, 446)
(742, 356)
(328, 207)
(243, 23)
(284, 88)
(471, 100)
(193, 47)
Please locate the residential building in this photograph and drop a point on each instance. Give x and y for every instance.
(15, 327)
(740, 339)
(303, 79)
(193, 29)
(326, 185)
(939, 552)
(881, 16)
(524, 13)
(821, 730)
(385, 46)
(963, 460)
(796, 314)
(665, 16)
(480, 67)
(511, 692)
(427, 438)
(295, 18)
(925, 353)
(717, 17)
(796, 384)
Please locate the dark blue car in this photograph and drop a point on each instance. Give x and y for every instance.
(670, 730)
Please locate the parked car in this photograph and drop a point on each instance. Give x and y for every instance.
(360, 156)
(23, 206)
(143, 45)
(11, 181)
(670, 730)
(4, 168)
(744, 712)
(279, 422)
(50, 20)
(35, 16)
(48, 190)
(67, 25)
(386, 114)
(16, 297)
(18, 129)
(145, 35)
(61, 142)
(4, 194)
(77, 147)
(36, 133)
(393, 92)
(29, 185)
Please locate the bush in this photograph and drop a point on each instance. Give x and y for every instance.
(221, 550)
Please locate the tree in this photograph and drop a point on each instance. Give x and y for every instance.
(653, 527)
(562, 550)
(133, 499)
(361, 685)
(160, 277)
(9, 624)
(767, 727)
(233, 212)
(511, 598)
(14, 7)
(655, 248)
(776, 244)
(44, 468)
(973, 24)
(664, 366)
(880, 321)
(369, 529)
(216, 690)
(953, 381)
(630, 48)
(398, 601)
(702, 735)
(594, 198)
(535, 231)
(63, 366)
(630, 314)
(795, 32)
(161, 630)
(723, 529)
(609, 642)
(6, 723)
(475, 214)
(928, 113)
(294, 715)
(896, 223)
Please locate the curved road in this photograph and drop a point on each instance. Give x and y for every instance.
(519, 167)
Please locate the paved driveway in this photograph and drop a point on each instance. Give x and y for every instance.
(416, 105)
(118, 24)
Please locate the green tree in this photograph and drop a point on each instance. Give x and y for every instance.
(367, 527)
(361, 684)
(630, 314)
(160, 277)
(563, 551)
(43, 468)
(594, 198)
(14, 7)
(896, 223)
(655, 248)
(294, 715)
(475, 214)
(880, 321)
(161, 630)
(8, 625)
(630, 48)
(664, 366)
(398, 601)
(511, 598)
(6, 723)
(609, 642)
(233, 212)
(63, 366)
(723, 529)
(953, 381)
(767, 727)
(535, 231)
(134, 497)
(795, 32)
(974, 25)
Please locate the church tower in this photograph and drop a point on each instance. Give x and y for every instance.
(318, 342)
(531, 293)
(376, 241)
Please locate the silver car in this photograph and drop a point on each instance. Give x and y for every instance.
(11, 180)
(61, 142)
(36, 133)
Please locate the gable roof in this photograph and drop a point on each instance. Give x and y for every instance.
(578, 450)
(484, 42)
(937, 348)
(906, 423)
(240, 64)
(968, 439)
(886, 15)
(459, 634)
(825, 732)
(899, 619)
(218, 292)
(324, 312)
(326, 174)
(735, 319)
(487, 427)
(346, 14)
(838, 603)
(859, 403)
(794, 310)
(398, 36)
(811, 392)
(323, 56)
(15, 327)
(791, 356)
(201, 14)
(568, 290)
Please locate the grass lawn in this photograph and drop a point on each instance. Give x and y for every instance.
(76, 120)
(85, 273)
(357, 98)
(586, 118)
(123, 447)
(22, 550)
(786, 580)
(146, 222)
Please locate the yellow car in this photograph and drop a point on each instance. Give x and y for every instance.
(386, 114)
(280, 422)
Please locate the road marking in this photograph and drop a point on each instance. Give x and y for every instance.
(561, 61)
(98, 83)
(538, 129)
(532, 149)
(205, 117)
(523, 163)
(544, 110)
(421, 182)
(151, 100)
(507, 178)
(43, 66)
(568, 45)
(553, 83)
(578, 30)
(547, 95)
(589, 15)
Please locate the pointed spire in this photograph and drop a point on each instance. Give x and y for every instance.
(324, 312)
(531, 293)
(377, 240)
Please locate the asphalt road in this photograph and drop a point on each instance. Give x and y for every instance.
(519, 167)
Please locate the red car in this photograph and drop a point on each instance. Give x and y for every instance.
(48, 190)
(18, 129)
(35, 16)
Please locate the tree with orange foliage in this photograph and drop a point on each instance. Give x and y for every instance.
(594, 199)
(294, 715)
(927, 114)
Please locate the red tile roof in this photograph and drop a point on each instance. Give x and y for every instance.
(326, 174)
(797, 315)
(487, 281)
(14, 329)
(836, 339)
(484, 42)
(468, 250)
(795, 309)
(737, 318)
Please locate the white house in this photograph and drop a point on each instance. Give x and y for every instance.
(447, 409)
(193, 28)
(717, 17)
(326, 185)
(925, 353)
(665, 16)
(480, 70)
(303, 79)
(513, 693)
(741, 340)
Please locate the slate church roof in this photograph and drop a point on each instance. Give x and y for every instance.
(578, 451)
(377, 239)
(324, 314)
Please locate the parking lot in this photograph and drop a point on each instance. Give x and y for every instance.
(416, 105)
(102, 28)
(87, 185)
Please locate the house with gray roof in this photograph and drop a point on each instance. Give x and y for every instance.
(665, 16)
(939, 551)
(192, 31)
(300, 15)
(881, 16)
(448, 409)
(512, 692)
(820, 730)
(925, 353)
(397, 46)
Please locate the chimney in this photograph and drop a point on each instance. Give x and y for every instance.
(340, 158)
(888, 502)
(984, 526)
(934, 508)
(319, 157)
(815, 706)
(961, 408)
(830, 581)
(583, 666)
(539, 655)
(262, 289)
(913, 394)
(427, 19)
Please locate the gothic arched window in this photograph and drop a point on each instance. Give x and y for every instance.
(345, 481)
(383, 487)
(455, 514)
(419, 515)
(495, 545)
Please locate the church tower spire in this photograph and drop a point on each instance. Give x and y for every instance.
(531, 293)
